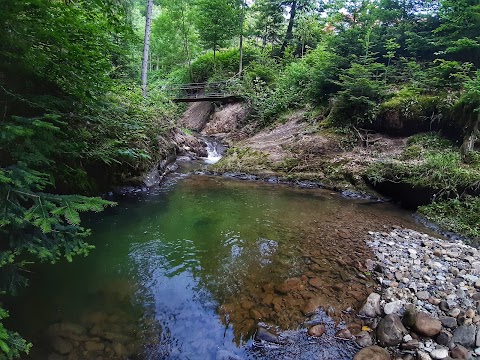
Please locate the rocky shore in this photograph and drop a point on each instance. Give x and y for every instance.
(427, 303)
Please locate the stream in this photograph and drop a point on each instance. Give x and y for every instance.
(191, 268)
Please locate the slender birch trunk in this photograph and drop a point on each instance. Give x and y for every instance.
(146, 46)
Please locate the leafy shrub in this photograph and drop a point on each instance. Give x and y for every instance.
(224, 66)
(459, 215)
(361, 92)
(302, 81)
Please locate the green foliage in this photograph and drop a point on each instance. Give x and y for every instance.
(301, 82)
(429, 162)
(217, 21)
(72, 120)
(224, 66)
(458, 215)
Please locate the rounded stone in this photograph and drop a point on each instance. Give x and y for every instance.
(454, 312)
(316, 330)
(390, 331)
(423, 295)
(459, 352)
(426, 325)
(363, 339)
(372, 353)
(371, 308)
(439, 354)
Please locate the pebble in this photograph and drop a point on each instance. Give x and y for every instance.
(441, 280)
(423, 295)
(454, 312)
(439, 354)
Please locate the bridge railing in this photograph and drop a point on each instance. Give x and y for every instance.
(206, 90)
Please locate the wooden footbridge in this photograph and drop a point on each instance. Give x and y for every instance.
(215, 91)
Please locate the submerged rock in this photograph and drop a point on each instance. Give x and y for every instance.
(317, 330)
(265, 335)
(226, 355)
(61, 345)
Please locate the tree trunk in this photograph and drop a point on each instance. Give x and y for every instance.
(185, 43)
(291, 22)
(471, 134)
(242, 19)
(146, 46)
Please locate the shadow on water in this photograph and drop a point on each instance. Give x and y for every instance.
(188, 271)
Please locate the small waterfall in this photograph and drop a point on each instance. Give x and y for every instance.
(214, 151)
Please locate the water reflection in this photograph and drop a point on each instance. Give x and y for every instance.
(186, 271)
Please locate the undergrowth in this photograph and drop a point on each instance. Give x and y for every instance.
(432, 162)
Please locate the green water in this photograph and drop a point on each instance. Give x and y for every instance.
(176, 270)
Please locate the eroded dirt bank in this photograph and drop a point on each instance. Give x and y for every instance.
(294, 149)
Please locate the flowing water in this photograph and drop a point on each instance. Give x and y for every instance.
(189, 269)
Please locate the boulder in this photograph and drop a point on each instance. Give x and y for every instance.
(477, 342)
(372, 353)
(390, 331)
(426, 325)
(94, 346)
(120, 350)
(465, 335)
(393, 307)
(448, 321)
(344, 334)
(371, 308)
(444, 338)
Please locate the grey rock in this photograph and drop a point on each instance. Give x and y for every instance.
(390, 331)
(393, 307)
(423, 295)
(422, 355)
(363, 339)
(443, 306)
(477, 342)
(371, 308)
(465, 335)
(448, 321)
(410, 345)
(454, 312)
(444, 338)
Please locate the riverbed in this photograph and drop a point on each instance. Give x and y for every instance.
(190, 269)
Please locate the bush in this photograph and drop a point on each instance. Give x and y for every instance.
(459, 215)
(302, 81)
